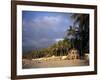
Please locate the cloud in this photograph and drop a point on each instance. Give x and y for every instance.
(44, 25)
(59, 39)
(39, 44)
(43, 31)
(46, 21)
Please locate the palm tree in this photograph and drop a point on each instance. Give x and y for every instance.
(71, 34)
(83, 32)
(66, 46)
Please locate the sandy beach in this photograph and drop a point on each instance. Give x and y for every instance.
(53, 63)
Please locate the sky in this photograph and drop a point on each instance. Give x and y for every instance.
(43, 29)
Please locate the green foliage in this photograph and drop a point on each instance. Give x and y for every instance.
(81, 40)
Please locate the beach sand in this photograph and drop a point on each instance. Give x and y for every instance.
(26, 64)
